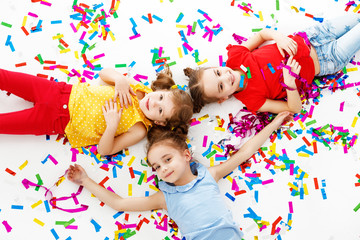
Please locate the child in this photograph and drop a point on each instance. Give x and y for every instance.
(254, 76)
(189, 193)
(88, 115)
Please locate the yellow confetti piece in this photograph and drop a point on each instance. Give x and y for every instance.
(264, 222)
(179, 52)
(354, 121)
(203, 117)
(24, 21)
(229, 178)
(261, 16)
(202, 62)
(356, 9)
(212, 161)
(126, 152)
(145, 176)
(273, 147)
(153, 188)
(112, 36)
(58, 36)
(296, 10)
(36, 204)
(130, 190)
(217, 148)
(289, 222)
(94, 26)
(301, 124)
(220, 129)
(300, 154)
(246, 14)
(181, 26)
(23, 165)
(131, 161)
(293, 186)
(352, 69)
(76, 54)
(117, 5)
(306, 189)
(78, 26)
(65, 50)
(39, 222)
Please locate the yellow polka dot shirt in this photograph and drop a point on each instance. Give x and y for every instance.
(87, 122)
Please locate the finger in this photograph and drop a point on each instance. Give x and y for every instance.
(111, 104)
(120, 111)
(103, 110)
(132, 92)
(106, 106)
(121, 98)
(125, 99)
(282, 52)
(129, 99)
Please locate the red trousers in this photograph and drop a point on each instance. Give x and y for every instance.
(50, 113)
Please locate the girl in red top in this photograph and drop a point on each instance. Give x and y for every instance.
(258, 76)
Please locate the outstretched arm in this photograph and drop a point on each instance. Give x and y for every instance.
(293, 103)
(77, 175)
(249, 148)
(283, 42)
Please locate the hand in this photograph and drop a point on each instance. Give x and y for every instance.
(111, 114)
(124, 92)
(283, 117)
(77, 174)
(289, 80)
(288, 45)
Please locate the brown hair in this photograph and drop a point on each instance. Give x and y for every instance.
(183, 109)
(175, 137)
(196, 88)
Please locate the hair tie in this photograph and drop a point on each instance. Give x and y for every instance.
(174, 86)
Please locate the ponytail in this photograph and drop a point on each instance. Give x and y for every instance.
(176, 137)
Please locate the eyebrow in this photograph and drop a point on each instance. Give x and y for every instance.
(218, 83)
(162, 157)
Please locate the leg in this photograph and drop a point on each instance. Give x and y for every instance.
(332, 29)
(23, 85)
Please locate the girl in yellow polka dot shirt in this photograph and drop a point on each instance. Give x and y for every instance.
(114, 116)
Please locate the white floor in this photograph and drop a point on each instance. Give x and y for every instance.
(312, 217)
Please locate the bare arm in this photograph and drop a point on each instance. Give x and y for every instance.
(121, 83)
(293, 103)
(78, 175)
(249, 148)
(283, 42)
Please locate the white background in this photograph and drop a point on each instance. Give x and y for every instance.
(313, 217)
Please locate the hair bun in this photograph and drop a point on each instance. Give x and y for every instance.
(188, 71)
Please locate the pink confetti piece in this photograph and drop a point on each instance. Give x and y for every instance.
(342, 106)
(32, 15)
(267, 181)
(7, 226)
(135, 36)
(291, 210)
(187, 46)
(46, 3)
(205, 141)
(73, 27)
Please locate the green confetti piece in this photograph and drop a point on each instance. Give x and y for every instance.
(40, 59)
(84, 48)
(6, 24)
(310, 123)
(256, 29)
(211, 154)
(74, 3)
(277, 5)
(141, 178)
(144, 163)
(172, 63)
(291, 133)
(120, 65)
(40, 182)
(115, 15)
(193, 27)
(248, 73)
(69, 222)
(344, 70)
(61, 47)
(357, 207)
(289, 161)
(324, 127)
(92, 47)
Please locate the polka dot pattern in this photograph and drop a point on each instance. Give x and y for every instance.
(87, 122)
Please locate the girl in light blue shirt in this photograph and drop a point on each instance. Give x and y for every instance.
(189, 192)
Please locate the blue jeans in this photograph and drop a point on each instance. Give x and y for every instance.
(336, 41)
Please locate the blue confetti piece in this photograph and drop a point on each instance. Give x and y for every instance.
(47, 206)
(96, 225)
(18, 207)
(54, 233)
(157, 18)
(56, 22)
(229, 196)
(180, 17)
(118, 214)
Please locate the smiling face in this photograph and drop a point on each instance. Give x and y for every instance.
(220, 82)
(171, 164)
(158, 106)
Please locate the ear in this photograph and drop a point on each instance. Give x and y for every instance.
(221, 100)
(160, 123)
(187, 154)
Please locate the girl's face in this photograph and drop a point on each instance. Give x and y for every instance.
(171, 164)
(220, 82)
(157, 106)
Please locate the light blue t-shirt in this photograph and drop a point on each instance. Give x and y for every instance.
(198, 208)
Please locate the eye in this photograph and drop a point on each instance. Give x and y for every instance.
(156, 167)
(218, 73)
(221, 86)
(160, 110)
(161, 97)
(168, 159)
